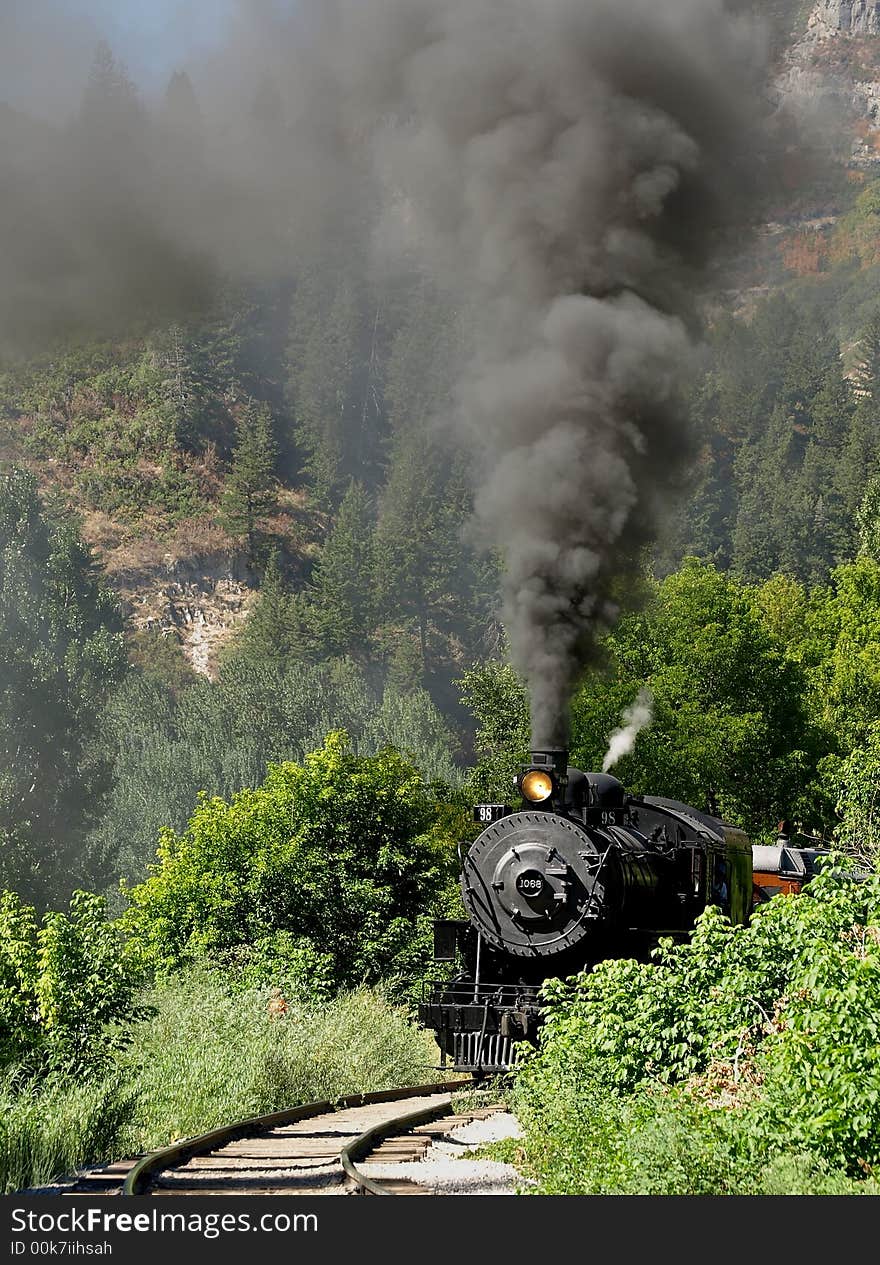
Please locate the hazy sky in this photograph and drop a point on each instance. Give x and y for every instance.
(46, 46)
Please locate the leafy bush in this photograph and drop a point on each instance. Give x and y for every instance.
(292, 965)
(748, 1051)
(211, 1054)
(64, 983)
(339, 851)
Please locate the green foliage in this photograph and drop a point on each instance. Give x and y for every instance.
(211, 1054)
(340, 329)
(52, 1129)
(339, 851)
(858, 781)
(788, 443)
(161, 659)
(61, 648)
(841, 645)
(730, 728)
(421, 563)
(110, 415)
(748, 1051)
(497, 699)
(290, 964)
(868, 520)
(250, 495)
(273, 633)
(219, 737)
(856, 234)
(337, 609)
(63, 983)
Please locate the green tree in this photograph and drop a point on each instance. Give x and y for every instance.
(498, 701)
(866, 363)
(110, 109)
(731, 729)
(419, 564)
(251, 495)
(841, 650)
(868, 520)
(273, 631)
(218, 737)
(339, 852)
(160, 656)
(61, 649)
(336, 356)
(181, 110)
(858, 802)
(338, 607)
(790, 515)
(62, 982)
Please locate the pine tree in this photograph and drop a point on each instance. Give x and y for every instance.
(858, 455)
(251, 494)
(340, 604)
(323, 368)
(111, 114)
(337, 353)
(418, 544)
(181, 110)
(61, 648)
(272, 632)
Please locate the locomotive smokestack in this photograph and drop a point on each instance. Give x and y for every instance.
(551, 758)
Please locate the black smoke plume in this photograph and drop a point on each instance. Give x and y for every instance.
(568, 169)
(571, 168)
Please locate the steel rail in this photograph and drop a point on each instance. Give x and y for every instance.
(368, 1140)
(182, 1152)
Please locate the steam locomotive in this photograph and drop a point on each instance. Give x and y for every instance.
(581, 872)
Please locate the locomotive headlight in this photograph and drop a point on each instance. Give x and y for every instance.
(536, 786)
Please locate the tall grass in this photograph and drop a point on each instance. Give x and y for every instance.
(52, 1129)
(206, 1056)
(209, 1056)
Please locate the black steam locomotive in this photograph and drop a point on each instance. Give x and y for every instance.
(581, 872)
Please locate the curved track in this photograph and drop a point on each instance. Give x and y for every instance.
(321, 1148)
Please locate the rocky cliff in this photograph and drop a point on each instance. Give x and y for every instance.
(197, 601)
(855, 17)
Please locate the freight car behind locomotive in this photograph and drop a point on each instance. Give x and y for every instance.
(786, 866)
(582, 871)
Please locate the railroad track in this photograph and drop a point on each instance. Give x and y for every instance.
(321, 1148)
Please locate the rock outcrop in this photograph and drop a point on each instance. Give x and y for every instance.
(855, 17)
(198, 601)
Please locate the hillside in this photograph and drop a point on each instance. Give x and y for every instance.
(139, 436)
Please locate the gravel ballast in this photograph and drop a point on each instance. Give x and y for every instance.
(444, 1172)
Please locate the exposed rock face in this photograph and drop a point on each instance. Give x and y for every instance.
(817, 81)
(200, 602)
(856, 17)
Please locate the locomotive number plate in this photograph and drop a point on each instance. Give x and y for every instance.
(487, 813)
(606, 816)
